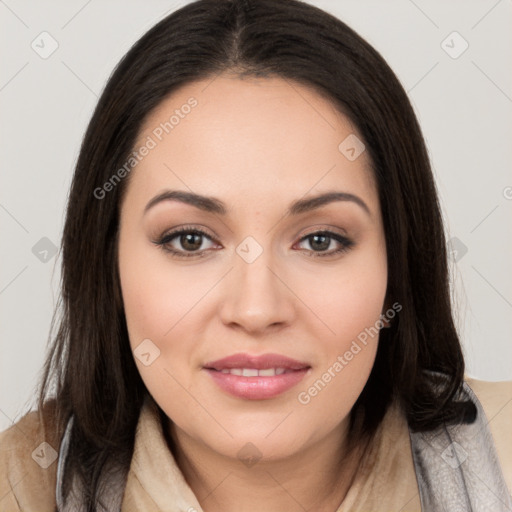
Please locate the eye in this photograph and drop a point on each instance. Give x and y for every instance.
(190, 238)
(191, 241)
(320, 241)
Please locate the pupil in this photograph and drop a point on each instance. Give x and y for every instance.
(324, 245)
(187, 241)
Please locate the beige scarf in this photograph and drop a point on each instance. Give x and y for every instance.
(453, 468)
(386, 481)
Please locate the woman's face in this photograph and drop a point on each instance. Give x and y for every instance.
(258, 282)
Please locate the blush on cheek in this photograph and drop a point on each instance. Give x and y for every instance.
(350, 313)
(149, 299)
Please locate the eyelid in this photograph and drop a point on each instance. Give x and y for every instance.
(187, 228)
(324, 228)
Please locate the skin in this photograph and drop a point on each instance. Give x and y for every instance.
(258, 145)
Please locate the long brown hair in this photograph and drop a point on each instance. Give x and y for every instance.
(90, 371)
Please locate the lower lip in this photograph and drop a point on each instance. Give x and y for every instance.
(257, 388)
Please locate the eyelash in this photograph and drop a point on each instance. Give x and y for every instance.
(163, 243)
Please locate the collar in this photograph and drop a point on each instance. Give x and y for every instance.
(155, 482)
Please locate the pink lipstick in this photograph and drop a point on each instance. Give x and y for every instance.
(256, 377)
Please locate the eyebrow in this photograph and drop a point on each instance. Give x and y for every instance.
(214, 205)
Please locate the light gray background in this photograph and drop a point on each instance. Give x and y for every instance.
(464, 105)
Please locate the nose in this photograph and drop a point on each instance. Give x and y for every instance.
(256, 297)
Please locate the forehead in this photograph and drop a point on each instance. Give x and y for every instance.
(264, 139)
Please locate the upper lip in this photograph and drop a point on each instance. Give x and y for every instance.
(261, 362)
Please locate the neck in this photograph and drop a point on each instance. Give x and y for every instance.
(316, 478)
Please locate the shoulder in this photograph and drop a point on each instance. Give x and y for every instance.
(28, 462)
(496, 400)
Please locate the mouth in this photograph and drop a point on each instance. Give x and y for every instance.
(256, 377)
(254, 372)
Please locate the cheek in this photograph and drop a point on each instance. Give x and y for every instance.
(164, 303)
(349, 302)
(156, 303)
(157, 293)
(348, 298)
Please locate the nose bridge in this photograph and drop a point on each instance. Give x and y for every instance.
(256, 297)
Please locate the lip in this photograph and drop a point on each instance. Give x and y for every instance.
(261, 362)
(257, 387)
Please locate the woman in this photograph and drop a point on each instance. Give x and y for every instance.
(256, 310)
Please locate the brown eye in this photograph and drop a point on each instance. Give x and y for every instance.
(184, 240)
(191, 241)
(321, 241)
